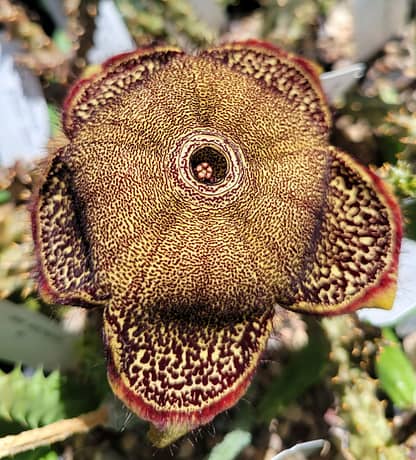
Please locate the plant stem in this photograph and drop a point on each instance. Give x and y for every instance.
(54, 432)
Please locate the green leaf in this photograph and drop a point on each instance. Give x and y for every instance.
(62, 40)
(5, 196)
(409, 212)
(232, 444)
(31, 401)
(42, 453)
(305, 368)
(395, 372)
(389, 95)
(54, 119)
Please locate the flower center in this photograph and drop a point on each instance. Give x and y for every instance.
(209, 166)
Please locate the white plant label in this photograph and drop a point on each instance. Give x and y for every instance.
(24, 120)
(337, 82)
(111, 35)
(375, 22)
(404, 307)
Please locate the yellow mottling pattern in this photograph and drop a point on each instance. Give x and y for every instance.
(103, 89)
(281, 74)
(191, 270)
(354, 240)
(156, 236)
(176, 364)
(65, 256)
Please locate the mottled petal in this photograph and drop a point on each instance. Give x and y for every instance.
(200, 191)
(117, 76)
(355, 245)
(290, 77)
(178, 369)
(65, 269)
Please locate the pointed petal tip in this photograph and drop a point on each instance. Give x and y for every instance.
(164, 437)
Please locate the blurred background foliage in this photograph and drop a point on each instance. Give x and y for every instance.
(350, 383)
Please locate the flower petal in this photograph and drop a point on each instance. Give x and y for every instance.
(179, 369)
(117, 75)
(355, 250)
(203, 191)
(65, 270)
(291, 77)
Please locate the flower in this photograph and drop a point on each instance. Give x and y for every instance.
(195, 193)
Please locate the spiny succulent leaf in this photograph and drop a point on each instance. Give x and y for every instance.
(402, 177)
(361, 410)
(16, 249)
(196, 192)
(405, 121)
(395, 372)
(232, 444)
(371, 433)
(31, 401)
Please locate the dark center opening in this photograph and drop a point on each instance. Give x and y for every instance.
(208, 166)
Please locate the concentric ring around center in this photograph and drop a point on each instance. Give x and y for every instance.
(208, 163)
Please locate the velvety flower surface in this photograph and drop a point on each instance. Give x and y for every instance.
(193, 195)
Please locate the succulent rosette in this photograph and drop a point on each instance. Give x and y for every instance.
(194, 194)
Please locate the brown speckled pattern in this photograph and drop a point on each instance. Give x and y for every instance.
(177, 364)
(351, 255)
(189, 270)
(67, 268)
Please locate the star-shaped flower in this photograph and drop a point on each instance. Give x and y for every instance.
(193, 195)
